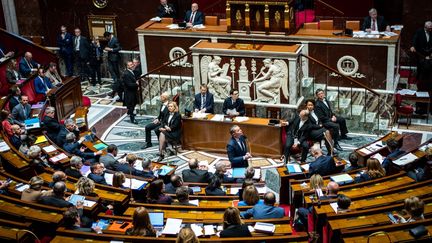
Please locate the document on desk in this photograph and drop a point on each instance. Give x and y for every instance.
(406, 159)
(241, 118)
(173, 26)
(422, 94)
(218, 117)
(199, 115)
(209, 230)
(4, 147)
(406, 92)
(365, 151)
(172, 226)
(49, 149)
(194, 202)
(334, 206)
(198, 230)
(379, 157)
(58, 157)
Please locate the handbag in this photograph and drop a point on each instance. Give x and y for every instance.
(418, 231)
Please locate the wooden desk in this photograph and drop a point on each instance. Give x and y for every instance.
(383, 151)
(207, 135)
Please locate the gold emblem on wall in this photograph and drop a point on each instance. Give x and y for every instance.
(258, 17)
(100, 3)
(277, 18)
(238, 17)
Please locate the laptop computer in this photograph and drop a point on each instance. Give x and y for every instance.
(157, 220)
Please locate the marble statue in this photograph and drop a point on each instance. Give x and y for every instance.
(268, 83)
(218, 82)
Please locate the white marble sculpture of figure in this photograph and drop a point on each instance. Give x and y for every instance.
(272, 81)
(218, 79)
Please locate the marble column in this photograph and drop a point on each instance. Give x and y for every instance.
(10, 16)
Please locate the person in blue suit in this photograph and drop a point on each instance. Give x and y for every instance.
(73, 146)
(65, 43)
(42, 84)
(323, 165)
(204, 100)
(237, 148)
(193, 16)
(97, 174)
(395, 151)
(266, 210)
(27, 65)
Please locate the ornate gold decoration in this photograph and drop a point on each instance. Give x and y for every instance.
(266, 17)
(247, 15)
(228, 16)
(258, 17)
(277, 18)
(238, 17)
(243, 46)
(100, 3)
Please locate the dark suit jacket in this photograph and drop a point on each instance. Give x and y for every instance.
(96, 54)
(98, 178)
(55, 201)
(236, 153)
(162, 113)
(126, 169)
(215, 192)
(263, 211)
(393, 155)
(236, 231)
(84, 47)
(238, 105)
(174, 124)
(11, 77)
(66, 44)
(196, 175)
(109, 161)
(74, 148)
(420, 43)
(323, 112)
(163, 14)
(73, 172)
(20, 113)
(114, 55)
(208, 104)
(301, 134)
(323, 165)
(199, 17)
(137, 71)
(13, 101)
(42, 84)
(381, 23)
(170, 189)
(130, 88)
(25, 68)
(61, 136)
(16, 141)
(52, 127)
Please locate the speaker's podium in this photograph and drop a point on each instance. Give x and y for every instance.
(260, 16)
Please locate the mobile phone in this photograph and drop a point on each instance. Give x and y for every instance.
(119, 221)
(124, 225)
(392, 218)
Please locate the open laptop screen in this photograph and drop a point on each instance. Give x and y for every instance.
(157, 219)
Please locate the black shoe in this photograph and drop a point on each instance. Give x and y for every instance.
(345, 137)
(338, 147)
(148, 145)
(161, 157)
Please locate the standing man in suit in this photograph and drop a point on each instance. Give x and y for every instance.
(163, 111)
(233, 105)
(323, 165)
(137, 67)
(81, 52)
(27, 65)
(65, 43)
(131, 89)
(204, 100)
(373, 22)
(113, 48)
(166, 10)
(193, 174)
(329, 120)
(422, 46)
(95, 61)
(194, 17)
(297, 135)
(237, 148)
(21, 112)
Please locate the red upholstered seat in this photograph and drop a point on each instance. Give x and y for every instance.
(86, 102)
(29, 90)
(402, 110)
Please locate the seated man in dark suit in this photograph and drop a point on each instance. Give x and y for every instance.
(56, 197)
(56, 177)
(166, 10)
(194, 17)
(175, 182)
(109, 159)
(127, 166)
(27, 65)
(332, 191)
(182, 194)
(373, 22)
(297, 135)
(75, 167)
(163, 111)
(21, 112)
(266, 210)
(50, 124)
(5, 54)
(237, 149)
(15, 139)
(221, 170)
(97, 174)
(329, 120)
(204, 100)
(15, 96)
(193, 174)
(323, 165)
(395, 151)
(69, 126)
(233, 105)
(74, 147)
(72, 220)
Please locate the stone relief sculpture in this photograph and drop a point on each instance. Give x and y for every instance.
(216, 77)
(268, 83)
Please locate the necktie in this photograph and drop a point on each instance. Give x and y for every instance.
(76, 43)
(192, 17)
(373, 25)
(203, 101)
(427, 36)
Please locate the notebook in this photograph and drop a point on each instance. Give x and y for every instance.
(342, 179)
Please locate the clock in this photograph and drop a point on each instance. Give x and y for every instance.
(100, 3)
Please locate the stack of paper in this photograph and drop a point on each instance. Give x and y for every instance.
(4, 147)
(294, 168)
(199, 115)
(194, 202)
(209, 230)
(58, 157)
(334, 206)
(342, 179)
(241, 118)
(379, 157)
(49, 149)
(406, 92)
(422, 94)
(406, 159)
(198, 230)
(305, 167)
(264, 227)
(172, 226)
(218, 117)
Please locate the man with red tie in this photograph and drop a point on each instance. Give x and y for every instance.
(193, 16)
(373, 22)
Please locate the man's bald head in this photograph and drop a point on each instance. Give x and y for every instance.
(332, 188)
